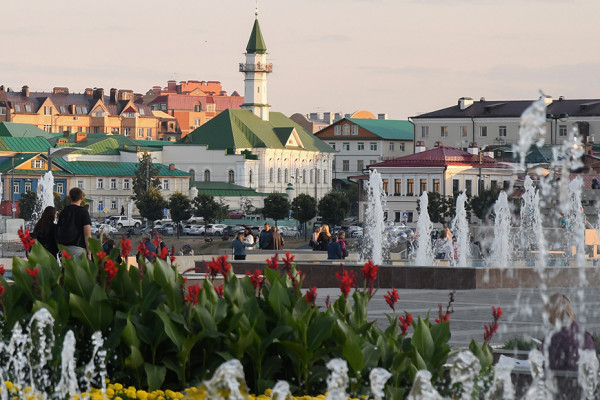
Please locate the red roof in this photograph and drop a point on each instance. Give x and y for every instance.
(185, 102)
(441, 156)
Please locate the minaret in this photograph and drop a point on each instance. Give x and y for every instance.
(255, 71)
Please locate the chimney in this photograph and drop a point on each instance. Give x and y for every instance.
(547, 100)
(80, 137)
(438, 144)
(125, 95)
(60, 90)
(338, 116)
(420, 146)
(314, 116)
(465, 102)
(99, 94)
(113, 95)
(382, 116)
(25, 91)
(473, 149)
(88, 92)
(172, 85)
(327, 116)
(171, 167)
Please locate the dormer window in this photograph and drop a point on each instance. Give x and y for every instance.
(129, 115)
(17, 108)
(27, 108)
(37, 164)
(62, 109)
(197, 107)
(142, 112)
(3, 110)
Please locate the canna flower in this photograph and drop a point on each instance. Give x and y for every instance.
(273, 261)
(66, 255)
(101, 255)
(32, 272)
(391, 298)
(125, 247)
(192, 295)
(492, 327)
(26, 240)
(443, 317)
(1, 290)
(370, 271)
(156, 239)
(404, 322)
(219, 266)
(2, 270)
(256, 278)
(311, 296)
(220, 291)
(111, 270)
(288, 261)
(164, 253)
(347, 280)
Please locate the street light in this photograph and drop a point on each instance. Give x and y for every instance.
(563, 117)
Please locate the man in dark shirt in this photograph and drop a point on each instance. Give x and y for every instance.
(74, 225)
(266, 238)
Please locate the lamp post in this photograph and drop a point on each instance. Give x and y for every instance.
(562, 117)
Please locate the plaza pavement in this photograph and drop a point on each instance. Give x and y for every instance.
(522, 310)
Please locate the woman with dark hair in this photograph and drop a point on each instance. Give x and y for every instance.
(45, 230)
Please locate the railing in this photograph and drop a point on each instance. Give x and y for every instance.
(256, 67)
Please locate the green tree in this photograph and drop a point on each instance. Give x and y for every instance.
(351, 192)
(58, 202)
(276, 206)
(145, 176)
(304, 208)
(334, 207)
(180, 207)
(151, 204)
(210, 210)
(440, 208)
(483, 205)
(27, 204)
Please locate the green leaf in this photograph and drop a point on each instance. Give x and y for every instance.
(97, 317)
(155, 376)
(206, 320)
(353, 354)
(278, 298)
(371, 354)
(422, 340)
(319, 331)
(78, 280)
(135, 359)
(297, 349)
(172, 331)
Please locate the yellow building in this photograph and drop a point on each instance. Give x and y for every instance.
(91, 112)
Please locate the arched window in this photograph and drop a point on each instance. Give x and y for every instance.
(206, 175)
(311, 176)
(192, 175)
(231, 176)
(278, 175)
(297, 177)
(286, 176)
(324, 176)
(250, 177)
(346, 129)
(197, 107)
(303, 176)
(271, 175)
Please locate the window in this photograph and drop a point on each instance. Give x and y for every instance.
(360, 165)
(78, 110)
(409, 216)
(149, 132)
(250, 177)
(410, 187)
(337, 130)
(397, 187)
(401, 146)
(198, 107)
(100, 183)
(142, 111)
(483, 131)
(114, 131)
(502, 131)
(63, 109)
(318, 173)
(197, 122)
(27, 186)
(455, 185)
(166, 184)
(397, 215)
(424, 131)
(505, 185)
(332, 145)
(355, 130)
(345, 165)
(231, 176)
(212, 107)
(60, 187)
(16, 188)
(80, 184)
(372, 161)
(47, 110)
(361, 146)
(48, 128)
(423, 186)
(163, 106)
(493, 184)
(373, 146)
(462, 130)
(468, 186)
(84, 109)
(385, 186)
(140, 132)
(126, 131)
(346, 130)
(129, 115)
(443, 131)
(206, 175)
(271, 175)
(311, 176)
(98, 113)
(392, 146)
(38, 164)
(303, 176)
(17, 109)
(278, 175)
(113, 183)
(27, 107)
(286, 176)
(126, 183)
(346, 146)
(562, 130)
(113, 205)
(436, 186)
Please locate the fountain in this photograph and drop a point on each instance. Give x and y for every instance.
(424, 253)
(460, 227)
(375, 243)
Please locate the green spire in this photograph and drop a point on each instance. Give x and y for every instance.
(256, 44)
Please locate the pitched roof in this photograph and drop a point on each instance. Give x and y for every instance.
(441, 156)
(256, 43)
(6, 163)
(104, 168)
(24, 144)
(242, 129)
(224, 189)
(187, 102)
(386, 128)
(15, 129)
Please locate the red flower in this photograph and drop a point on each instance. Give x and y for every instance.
(256, 278)
(220, 291)
(172, 258)
(288, 261)
(26, 239)
(492, 327)
(66, 255)
(32, 272)
(111, 270)
(125, 247)
(164, 253)
(142, 249)
(192, 295)
(347, 280)
(1, 290)
(2, 270)
(405, 322)
(443, 317)
(101, 255)
(496, 313)
(311, 296)
(219, 266)
(156, 239)
(273, 261)
(370, 271)
(391, 298)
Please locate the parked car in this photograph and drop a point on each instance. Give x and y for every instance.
(215, 229)
(232, 230)
(121, 221)
(186, 229)
(106, 228)
(167, 229)
(356, 232)
(289, 231)
(95, 227)
(197, 230)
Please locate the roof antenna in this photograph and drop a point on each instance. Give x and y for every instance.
(256, 10)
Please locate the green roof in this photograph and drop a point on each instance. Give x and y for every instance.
(224, 189)
(241, 129)
(256, 44)
(102, 143)
(386, 128)
(6, 163)
(104, 168)
(15, 129)
(24, 144)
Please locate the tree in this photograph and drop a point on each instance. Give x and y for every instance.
(246, 205)
(27, 205)
(440, 208)
(145, 176)
(58, 203)
(483, 205)
(351, 192)
(180, 207)
(334, 207)
(276, 206)
(210, 210)
(151, 204)
(304, 208)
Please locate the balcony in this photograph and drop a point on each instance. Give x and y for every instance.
(256, 67)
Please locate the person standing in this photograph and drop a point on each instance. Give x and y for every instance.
(239, 247)
(334, 250)
(277, 241)
(342, 241)
(45, 230)
(122, 210)
(324, 238)
(249, 237)
(266, 238)
(74, 226)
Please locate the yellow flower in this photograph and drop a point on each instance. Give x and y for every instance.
(118, 386)
(110, 391)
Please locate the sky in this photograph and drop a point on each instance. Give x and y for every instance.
(399, 57)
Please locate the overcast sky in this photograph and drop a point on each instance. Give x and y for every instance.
(400, 57)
